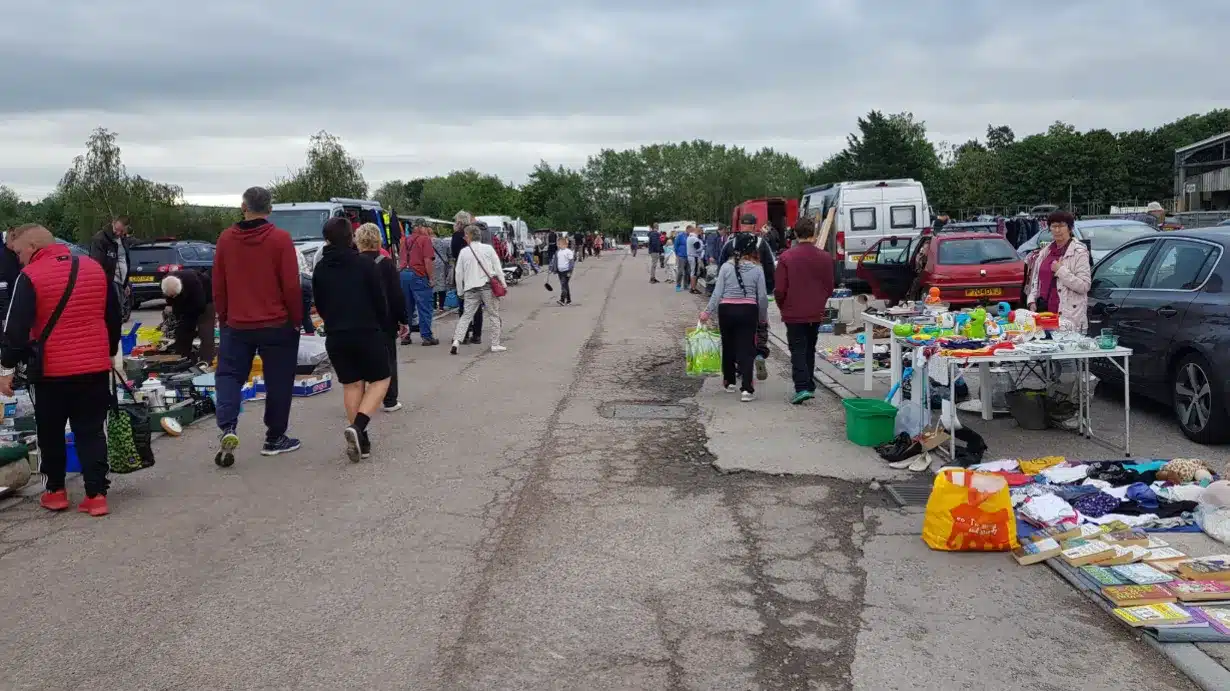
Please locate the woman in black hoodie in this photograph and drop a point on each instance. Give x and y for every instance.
(367, 237)
(351, 302)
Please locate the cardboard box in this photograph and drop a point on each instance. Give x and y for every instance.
(312, 384)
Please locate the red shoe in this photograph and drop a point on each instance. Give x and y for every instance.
(54, 501)
(95, 506)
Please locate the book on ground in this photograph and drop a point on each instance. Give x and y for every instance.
(1218, 617)
(1142, 574)
(1063, 533)
(1216, 568)
(1084, 552)
(1124, 555)
(1166, 614)
(1102, 575)
(1135, 595)
(1199, 591)
(1034, 552)
(1156, 543)
(1135, 537)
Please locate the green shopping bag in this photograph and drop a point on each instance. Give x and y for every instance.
(129, 447)
(703, 349)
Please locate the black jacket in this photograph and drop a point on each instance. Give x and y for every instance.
(197, 292)
(10, 268)
(459, 243)
(105, 249)
(347, 291)
(766, 258)
(390, 281)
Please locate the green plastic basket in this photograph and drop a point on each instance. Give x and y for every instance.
(869, 422)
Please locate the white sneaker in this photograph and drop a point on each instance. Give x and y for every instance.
(498, 349)
(747, 397)
(393, 408)
(731, 388)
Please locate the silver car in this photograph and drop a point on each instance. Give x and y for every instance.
(1101, 235)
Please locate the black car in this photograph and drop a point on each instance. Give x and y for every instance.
(1165, 296)
(150, 262)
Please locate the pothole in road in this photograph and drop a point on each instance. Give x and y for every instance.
(630, 410)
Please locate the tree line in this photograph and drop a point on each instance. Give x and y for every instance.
(698, 180)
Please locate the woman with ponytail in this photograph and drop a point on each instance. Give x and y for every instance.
(741, 303)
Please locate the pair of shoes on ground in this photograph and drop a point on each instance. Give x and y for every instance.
(745, 397)
(228, 441)
(495, 348)
(58, 501)
(430, 342)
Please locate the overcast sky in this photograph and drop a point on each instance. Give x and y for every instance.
(216, 96)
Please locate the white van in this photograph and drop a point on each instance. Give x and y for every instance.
(866, 211)
(305, 220)
(641, 233)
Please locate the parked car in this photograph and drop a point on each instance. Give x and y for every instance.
(1100, 235)
(151, 261)
(1164, 296)
(969, 267)
(1172, 223)
(1225, 222)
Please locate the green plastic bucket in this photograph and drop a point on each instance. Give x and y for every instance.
(869, 422)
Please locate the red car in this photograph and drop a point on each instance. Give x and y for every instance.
(968, 268)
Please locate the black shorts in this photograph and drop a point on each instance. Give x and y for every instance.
(358, 355)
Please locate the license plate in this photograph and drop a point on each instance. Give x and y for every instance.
(855, 258)
(984, 292)
(142, 279)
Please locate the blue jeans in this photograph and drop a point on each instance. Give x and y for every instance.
(421, 295)
(278, 347)
(529, 258)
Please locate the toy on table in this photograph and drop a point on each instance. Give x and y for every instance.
(1003, 309)
(903, 330)
(977, 326)
(933, 296)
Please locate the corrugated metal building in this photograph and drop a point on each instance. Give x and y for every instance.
(1202, 175)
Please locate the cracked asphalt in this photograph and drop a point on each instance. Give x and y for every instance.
(509, 533)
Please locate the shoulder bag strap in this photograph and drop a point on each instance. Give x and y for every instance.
(68, 291)
(480, 263)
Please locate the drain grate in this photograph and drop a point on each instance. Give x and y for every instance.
(909, 493)
(649, 411)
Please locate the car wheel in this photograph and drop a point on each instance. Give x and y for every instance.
(1199, 403)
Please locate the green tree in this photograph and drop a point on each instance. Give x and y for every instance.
(403, 196)
(470, 190)
(330, 171)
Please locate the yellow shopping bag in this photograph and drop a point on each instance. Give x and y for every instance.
(969, 512)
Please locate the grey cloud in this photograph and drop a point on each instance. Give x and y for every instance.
(215, 95)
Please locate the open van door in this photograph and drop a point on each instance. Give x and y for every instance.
(888, 268)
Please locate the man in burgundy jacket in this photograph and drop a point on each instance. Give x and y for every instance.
(802, 287)
(259, 305)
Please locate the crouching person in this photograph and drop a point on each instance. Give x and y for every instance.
(351, 301)
(190, 298)
(64, 322)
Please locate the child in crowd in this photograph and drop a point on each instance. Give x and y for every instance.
(564, 261)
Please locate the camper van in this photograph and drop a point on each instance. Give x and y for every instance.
(865, 212)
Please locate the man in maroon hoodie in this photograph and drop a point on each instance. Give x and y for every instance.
(802, 286)
(259, 305)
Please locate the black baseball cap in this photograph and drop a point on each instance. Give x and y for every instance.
(747, 220)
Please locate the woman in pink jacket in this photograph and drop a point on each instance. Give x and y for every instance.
(1059, 274)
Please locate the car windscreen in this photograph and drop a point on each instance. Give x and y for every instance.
(1110, 237)
(150, 258)
(973, 251)
(302, 224)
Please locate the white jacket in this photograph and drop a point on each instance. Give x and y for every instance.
(469, 273)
